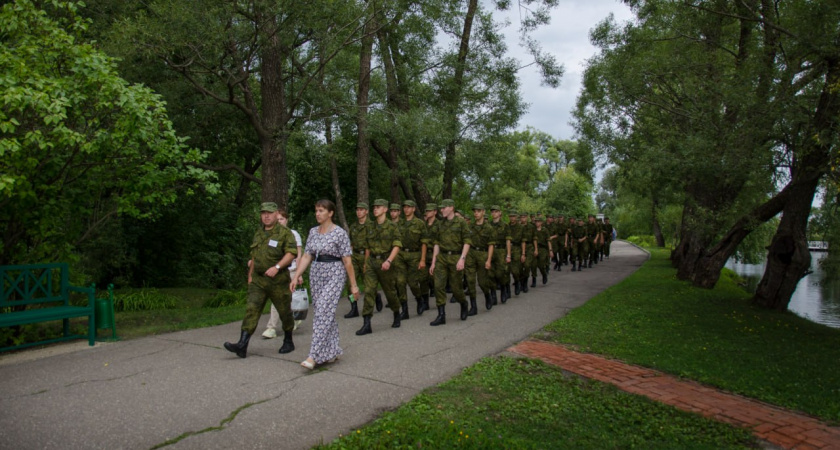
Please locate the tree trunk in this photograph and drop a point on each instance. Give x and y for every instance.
(788, 258)
(339, 202)
(275, 177)
(362, 99)
(454, 99)
(274, 135)
(657, 229)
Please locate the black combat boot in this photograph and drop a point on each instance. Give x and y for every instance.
(241, 347)
(590, 263)
(573, 267)
(545, 278)
(488, 300)
(396, 323)
(441, 317)
(533, 281)
(365, 327)
(419, 305)
(516, 289)
(426, 301)
(473, 308)
(465, 310)
(378, 302)
(288, 344)
(505, 293)
(404, 313)
(354, 311)
(493, 298)
(524, 284)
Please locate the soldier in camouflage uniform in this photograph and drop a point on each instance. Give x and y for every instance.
(409, 261)
(578, 244)
(451, 245)
(501, 254)
(272, 251)
(562, 242)
(545, 251)
(608, 236)
(530, 252)
(517, 251)
(480, 259)
(381, 249)
(428, 286)
(593, 235)
(400, 274)
(358, 234)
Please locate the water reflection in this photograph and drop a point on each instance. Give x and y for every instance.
(819, 302)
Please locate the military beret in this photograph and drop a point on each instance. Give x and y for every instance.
(495, 208)
(380, 202)
(478, 206)
(447, 202)
(362, 205)
(268, 206)
(409, 203)
(431, 207)
(395, 206)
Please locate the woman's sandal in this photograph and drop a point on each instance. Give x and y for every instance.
(307, 364)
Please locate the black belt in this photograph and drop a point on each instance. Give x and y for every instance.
(410, 250)
(479, 249)
(516, 243)
(544, 246)
(453, 252)
(327, 258)
(381, 256)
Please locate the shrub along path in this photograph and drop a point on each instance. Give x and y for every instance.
(775, 425)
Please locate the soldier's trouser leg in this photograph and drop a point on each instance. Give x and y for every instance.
(261, 289)
(400, 278)
(414, 275)
(574, 251)
(500, 268)
(445, 270)
(471, 270)
(385, 278)
(515, 265)
(542, 261)
(530, 263)
(482, 275)
(607, 247)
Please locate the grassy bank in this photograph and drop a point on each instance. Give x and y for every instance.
(712, 336)
(650, 319)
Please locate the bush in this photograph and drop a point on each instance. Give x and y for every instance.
(147, 299)
(643, 241)
(226, 298)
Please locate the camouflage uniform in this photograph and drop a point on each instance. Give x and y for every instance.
(267, 248)
(608, 236)
(450, 237)
(483, 241)
(408, 260)
(501, 266)
(544, 245)
(516, 229)
(381, 239)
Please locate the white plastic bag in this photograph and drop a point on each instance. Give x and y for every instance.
(300, 304)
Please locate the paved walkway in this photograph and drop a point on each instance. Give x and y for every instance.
(779, 427)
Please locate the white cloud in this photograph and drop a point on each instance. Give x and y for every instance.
(567, 38)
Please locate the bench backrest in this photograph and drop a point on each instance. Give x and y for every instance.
(34, 283)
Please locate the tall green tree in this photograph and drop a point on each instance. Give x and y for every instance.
(79, 145)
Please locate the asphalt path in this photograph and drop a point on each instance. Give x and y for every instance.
(184, 391)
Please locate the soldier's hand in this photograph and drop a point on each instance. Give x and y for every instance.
(422, 265)
(271, 272)
(249, 278)
(460, 266)
(522, 258)
(432, 269)
(487, 265)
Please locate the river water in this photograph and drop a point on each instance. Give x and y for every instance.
(814, 299)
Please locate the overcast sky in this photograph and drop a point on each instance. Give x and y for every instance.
(567, 38)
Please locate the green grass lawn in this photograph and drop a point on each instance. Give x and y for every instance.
(712, 336)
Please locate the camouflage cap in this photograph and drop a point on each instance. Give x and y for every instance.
(409, 203)
(458, 211)
(394, 206)
(268, 206)
(495, 208)
(478, 206)
(540, 218)
(513, 212)
(431, 207)
(380, 202)
(447, 202)
(362, 205)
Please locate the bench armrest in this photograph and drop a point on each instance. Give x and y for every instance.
(84, 290)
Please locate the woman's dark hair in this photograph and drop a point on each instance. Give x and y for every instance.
(326, 204)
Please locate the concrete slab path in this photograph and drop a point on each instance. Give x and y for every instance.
(184, 391)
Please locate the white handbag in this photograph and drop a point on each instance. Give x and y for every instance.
(300, 304)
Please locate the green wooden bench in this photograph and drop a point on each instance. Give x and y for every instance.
(41, 293)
